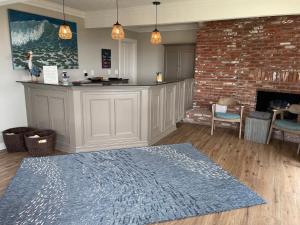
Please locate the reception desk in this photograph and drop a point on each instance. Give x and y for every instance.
(94, 117)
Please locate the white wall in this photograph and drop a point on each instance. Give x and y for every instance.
(90, 42)
(151, 57)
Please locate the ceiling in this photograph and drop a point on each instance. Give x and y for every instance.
(139, 14)
(95, 5)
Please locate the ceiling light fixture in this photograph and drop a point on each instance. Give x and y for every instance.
(117, 32)
(156, 36)
(65, 32)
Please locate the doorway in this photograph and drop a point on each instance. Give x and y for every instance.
(128, 59)
(179, 61)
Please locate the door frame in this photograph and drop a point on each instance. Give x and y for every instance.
(134, 42)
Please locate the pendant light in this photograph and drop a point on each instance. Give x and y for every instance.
(117, 32)
(156, 36)
(65, 32)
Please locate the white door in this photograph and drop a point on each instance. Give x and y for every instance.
(128, 59)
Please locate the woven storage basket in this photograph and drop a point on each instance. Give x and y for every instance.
(14, 138)
(43, 145)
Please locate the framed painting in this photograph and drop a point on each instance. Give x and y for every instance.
(106, 58)
(39, 35)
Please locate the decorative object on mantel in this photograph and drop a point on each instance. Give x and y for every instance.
(36, 33)
(106, 58)
(159, 77)
(117, 32)
(143, 185)
(50, 75)
(65, 32)
(155, 35)
(34, 71)
(65, 78)
(288, 126)
(286, 76)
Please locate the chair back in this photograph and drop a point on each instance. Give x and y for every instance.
(295, 109)
(227, 101)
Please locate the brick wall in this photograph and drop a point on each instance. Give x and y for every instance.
(237, 57)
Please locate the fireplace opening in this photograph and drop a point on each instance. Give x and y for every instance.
(266, 101)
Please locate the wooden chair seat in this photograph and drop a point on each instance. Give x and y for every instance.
(227, 116)
(283, 125)
(287, 125)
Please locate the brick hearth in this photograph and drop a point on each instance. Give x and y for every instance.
(237, 57)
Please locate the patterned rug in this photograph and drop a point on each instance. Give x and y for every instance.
(129, 186)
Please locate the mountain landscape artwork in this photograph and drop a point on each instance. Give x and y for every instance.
(39, 34)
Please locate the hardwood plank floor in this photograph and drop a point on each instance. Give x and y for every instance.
(273, 171)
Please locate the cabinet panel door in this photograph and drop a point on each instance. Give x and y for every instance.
(58, 117)
(98, 117)
(169, 117)
(127, 116)
(179, 102)
(156, 111)
(40, 111)
(50, 111)
(111, 116)
(188, 94)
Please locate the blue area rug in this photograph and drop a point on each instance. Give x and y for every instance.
(130, 186)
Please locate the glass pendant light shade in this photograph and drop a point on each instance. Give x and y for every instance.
(156, 37)
(65, 32)
(117, 32)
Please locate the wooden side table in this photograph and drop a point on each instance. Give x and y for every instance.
(257, 127)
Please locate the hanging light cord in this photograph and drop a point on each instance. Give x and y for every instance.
(64, 11)
(156, 17)
(117, 3)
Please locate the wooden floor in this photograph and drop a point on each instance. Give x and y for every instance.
(273, 171)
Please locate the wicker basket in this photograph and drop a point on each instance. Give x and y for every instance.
(14, 138)
(41, 146)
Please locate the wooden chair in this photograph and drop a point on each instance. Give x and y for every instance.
(227, 117)
(283, 125)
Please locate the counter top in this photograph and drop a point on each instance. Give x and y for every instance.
(108, 84)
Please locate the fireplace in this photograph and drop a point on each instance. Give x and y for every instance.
(268, 100)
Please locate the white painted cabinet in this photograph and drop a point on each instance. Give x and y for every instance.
(188, 93)
(162, 110)
(179, 104)
(88, 118)
(109, 116)
(170, 107)
(50, 111)
(156, 112)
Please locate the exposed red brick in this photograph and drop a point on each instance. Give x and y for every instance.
(237, 57)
